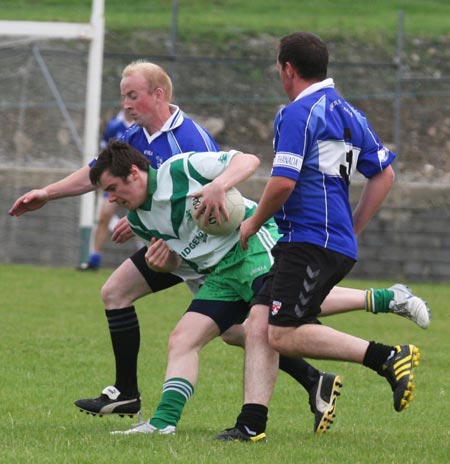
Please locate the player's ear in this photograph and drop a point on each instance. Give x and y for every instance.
(159, 93)
(134, 172)
(289, 70)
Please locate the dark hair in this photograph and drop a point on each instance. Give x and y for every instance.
(306, 52)
(117, 158)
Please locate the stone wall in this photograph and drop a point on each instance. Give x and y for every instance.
(408, 239)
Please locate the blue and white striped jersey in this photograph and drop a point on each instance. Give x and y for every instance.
(179, 134)
(319, 141)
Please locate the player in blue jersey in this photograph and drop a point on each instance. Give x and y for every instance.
(319, 142)
(115, 129)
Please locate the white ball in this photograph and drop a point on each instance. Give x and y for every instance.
(235, 205)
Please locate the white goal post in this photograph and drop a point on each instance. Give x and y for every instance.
(93, 32)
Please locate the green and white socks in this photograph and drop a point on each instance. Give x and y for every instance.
(378, 299)
(176, 392)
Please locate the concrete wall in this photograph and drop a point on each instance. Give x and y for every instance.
(49, 236)
(408, 240)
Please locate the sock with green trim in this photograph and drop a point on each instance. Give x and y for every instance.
(378, 299)
(176, 392)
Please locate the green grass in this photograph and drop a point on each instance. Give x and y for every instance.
(55, 348)
(222, 19)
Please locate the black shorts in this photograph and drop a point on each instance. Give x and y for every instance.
(300, 279)
(156, 280)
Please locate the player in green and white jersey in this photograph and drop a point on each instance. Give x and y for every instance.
(160, 212)
(158, 201)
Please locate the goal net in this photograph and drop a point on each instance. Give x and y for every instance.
(42, 95)
(50, 97)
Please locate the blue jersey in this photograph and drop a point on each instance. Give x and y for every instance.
(115, 129)
(319, 141)
(178, 135)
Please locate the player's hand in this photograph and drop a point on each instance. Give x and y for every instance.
(122, 231)
(31, 201)
(247, 229)
(213, 203)
(160, 258)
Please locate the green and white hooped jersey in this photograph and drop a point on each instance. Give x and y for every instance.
(166, 212)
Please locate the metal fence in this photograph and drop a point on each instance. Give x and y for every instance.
(403, 88)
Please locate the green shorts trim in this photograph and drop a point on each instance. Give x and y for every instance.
(233, 277)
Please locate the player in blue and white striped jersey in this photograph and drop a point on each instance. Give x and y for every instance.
(177, 133)
(319, 141)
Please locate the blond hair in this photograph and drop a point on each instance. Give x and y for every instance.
(153, 74)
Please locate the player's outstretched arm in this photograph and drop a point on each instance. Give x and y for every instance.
(31, 201)
(74, 184)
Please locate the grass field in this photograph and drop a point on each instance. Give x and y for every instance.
(220, 19)
(55, 345)
(55, 348)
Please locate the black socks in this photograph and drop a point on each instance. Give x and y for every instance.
(125, 336)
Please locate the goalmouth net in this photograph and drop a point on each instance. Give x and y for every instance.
(50, 87)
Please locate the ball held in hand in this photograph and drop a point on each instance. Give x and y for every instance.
(235, 205)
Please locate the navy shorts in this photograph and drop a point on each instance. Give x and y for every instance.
(226, 313)
(299, 280)
(223, 313)
(156, 280)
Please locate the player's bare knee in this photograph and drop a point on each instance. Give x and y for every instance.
(257, 324)
(113, 296)
(229, 339)
(106, 294)
(178, 342)
(275, 338)
(235, 335)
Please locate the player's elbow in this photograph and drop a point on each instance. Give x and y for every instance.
(387, 176)
(252, 162)
(391, 175)
(256, 160)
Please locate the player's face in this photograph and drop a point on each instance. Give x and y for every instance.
(138, 100)
(129, 193)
